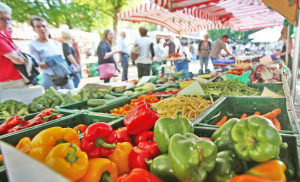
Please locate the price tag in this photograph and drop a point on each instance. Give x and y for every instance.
(185, 84)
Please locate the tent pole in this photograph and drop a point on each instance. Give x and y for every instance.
(287, 45)
(296, 57)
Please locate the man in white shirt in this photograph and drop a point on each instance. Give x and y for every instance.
(124, 55)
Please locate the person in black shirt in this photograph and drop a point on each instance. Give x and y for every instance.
(70, 56)
(104, 52)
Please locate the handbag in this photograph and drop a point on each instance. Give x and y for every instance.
(59, 81)
(107, 70)
(135, 52)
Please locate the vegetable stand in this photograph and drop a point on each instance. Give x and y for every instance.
(138, 126)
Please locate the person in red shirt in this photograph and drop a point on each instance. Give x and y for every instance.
(9, 75)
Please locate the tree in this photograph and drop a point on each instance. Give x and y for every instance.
(86, 15)
(241, 37)
(110, 8)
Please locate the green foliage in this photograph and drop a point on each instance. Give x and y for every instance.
(237, 36)
(86, 15)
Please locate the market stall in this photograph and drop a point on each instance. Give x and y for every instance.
(173, 127)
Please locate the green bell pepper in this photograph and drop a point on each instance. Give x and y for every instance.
(161, 168)
(165, 128)
(223, 170)
(256, 139)
(222, 136)
(191, 157)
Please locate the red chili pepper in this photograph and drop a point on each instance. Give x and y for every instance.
(138, 175)
(11, 122)
(45, 116)
(145, 136)
(80, 128)
(99, 140)
(122, 135)
(141, 118)
(139, 154)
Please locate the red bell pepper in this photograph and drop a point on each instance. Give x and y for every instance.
(139, 154)
(99, 140)
(122, 135)
(139, 175)
(141, 118)
(80, 128)
(11, 122)
(145, 136)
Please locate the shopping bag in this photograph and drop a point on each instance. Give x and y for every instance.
(107, 70)
(135, 52)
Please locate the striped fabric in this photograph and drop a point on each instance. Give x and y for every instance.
(177, 22)
(236, 14)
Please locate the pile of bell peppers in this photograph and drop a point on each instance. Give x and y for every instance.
(126, 109)
(18, 122)
(163, 150)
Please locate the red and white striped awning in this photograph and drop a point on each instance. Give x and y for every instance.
(177, 22)
(240, 14)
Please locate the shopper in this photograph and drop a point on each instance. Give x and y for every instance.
(160, 48)
(218, 46)
(171, 44)
(144, 60)
(9, 75)
(124, 55)
(44, 50)
(104, 52)
(282, 53)
(204, 48)
(70, 56)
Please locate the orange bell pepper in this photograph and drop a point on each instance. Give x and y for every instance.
(120, 157)
(24, 145)
(249, 178)
(80, 128)
(273, 170)
(100, 168)
(68, 160)
(47, 139)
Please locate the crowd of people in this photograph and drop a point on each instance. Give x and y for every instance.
(61, 68)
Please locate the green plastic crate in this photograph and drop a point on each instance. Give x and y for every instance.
(291, 140)
(275, 87)
(83, 104)
(121, 92)
(293, 143)
(234, 107)
(70, 121)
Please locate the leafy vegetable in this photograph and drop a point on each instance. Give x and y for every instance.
(263, 73)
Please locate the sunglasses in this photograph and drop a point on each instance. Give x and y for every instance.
(6, 19)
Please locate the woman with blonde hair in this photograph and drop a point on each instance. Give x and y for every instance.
(204, 49)
(104, 52)
(70, 56)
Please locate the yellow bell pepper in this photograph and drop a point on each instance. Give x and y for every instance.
(120, 157)
(47, 139)
(68, 160)
(100, 169)
(24, 145)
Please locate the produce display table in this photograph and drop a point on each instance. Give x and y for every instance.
(206, 123)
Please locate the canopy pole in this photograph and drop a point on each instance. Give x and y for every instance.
(296, 57)
(287, 45)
